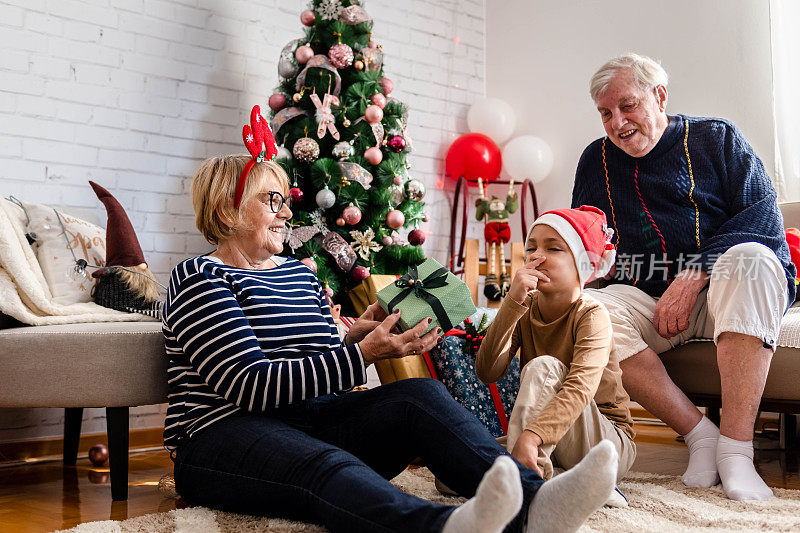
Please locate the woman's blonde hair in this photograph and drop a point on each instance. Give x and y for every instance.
(214, 186)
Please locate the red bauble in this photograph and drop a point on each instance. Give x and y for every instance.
(310, 263)
(395, 219)
(277, 102)
(307, 17)
(297, 194)
(98, 454)
(397, 144)
(359, 273)
(416, 237)
(351, 215)
(373, 155)
(379, 100)
(474, 156)
(386, 86)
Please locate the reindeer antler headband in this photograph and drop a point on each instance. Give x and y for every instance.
(260, 143)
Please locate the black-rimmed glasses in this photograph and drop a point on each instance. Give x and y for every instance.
(277, 201)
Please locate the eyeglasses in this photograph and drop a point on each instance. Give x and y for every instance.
(277, 201)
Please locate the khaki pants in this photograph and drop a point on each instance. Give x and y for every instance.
(540, 381)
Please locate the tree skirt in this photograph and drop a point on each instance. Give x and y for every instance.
(657, 503)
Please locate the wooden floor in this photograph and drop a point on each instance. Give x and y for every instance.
(46, 497)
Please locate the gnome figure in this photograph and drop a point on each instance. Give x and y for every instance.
(125, 283)
(497, 233)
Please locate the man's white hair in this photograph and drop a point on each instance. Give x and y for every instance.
(647, 73)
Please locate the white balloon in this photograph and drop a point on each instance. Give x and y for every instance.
(492, 117)
(527, 157)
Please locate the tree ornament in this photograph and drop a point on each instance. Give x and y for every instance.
(341, 55)
(373, 155)
(379, 100)
(386, 86)
(398, 194)
(364, 243)
(303, 54)
(277, 102)
(351, 215)
(396, 144)
(359, 65)
(398, 180)
(98, 454)
(395, 219)
(340, 221)
(329, 9)
(343, 150)
(346, 122)
(306, 149)
(325, 198)
(426, 217)
(296, 97)
(310, 263)
(373, 114)
(307, 18)
(387, 240)
(324, 116)
(415, 189)
(416, 237)
(360, 273)
(328, 292)
(297, 194)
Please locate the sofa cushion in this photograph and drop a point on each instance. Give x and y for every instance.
(101, 364)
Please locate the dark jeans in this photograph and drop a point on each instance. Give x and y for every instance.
(328, 460)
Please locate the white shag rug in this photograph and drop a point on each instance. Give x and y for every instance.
(657, 504)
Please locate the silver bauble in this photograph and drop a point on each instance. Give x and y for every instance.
(325, 198)
(415, 189)
(343, 150)
(397, 195)
(306, 149)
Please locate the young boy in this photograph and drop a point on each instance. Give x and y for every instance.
(571, 394)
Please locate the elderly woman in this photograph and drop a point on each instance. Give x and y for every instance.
(701, 254)
(261, 419)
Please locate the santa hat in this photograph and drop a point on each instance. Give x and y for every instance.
(588, 236)
(122, 246)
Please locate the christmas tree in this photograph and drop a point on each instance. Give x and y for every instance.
(344, 146)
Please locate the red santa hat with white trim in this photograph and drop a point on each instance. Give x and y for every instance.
(586, 232)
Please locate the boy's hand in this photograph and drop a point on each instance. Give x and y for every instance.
(526, 280)
(526, 450)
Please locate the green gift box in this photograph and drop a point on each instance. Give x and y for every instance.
(428, 290)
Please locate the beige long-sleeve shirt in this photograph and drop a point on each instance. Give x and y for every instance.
(581, 339)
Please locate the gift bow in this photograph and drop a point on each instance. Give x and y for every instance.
(410, 282)
(324, 116)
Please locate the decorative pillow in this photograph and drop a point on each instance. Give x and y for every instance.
(56, 241)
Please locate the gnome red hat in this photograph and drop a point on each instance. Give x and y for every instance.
(122, 246)
(588, 236)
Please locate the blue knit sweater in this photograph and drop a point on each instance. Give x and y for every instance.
(694, 212)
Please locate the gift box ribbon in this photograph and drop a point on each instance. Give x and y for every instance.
(410, 282)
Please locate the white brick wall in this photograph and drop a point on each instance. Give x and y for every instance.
(135, 93)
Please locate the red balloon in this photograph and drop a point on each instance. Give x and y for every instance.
(474, 156)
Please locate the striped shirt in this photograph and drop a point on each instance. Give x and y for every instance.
(248, 340)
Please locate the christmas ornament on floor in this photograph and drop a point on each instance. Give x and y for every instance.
(497, 233)
(98, 454)
(125, 283)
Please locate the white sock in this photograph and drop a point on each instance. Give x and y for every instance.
(740, 481)
(702, 443)
(496, 502)
(566, 501)
(617, 499)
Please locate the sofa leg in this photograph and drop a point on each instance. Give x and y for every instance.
(117, 424)
(788, 431)
(73, 416)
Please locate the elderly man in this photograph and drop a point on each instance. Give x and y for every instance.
(701, 254)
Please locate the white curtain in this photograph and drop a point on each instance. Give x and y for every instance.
(785, 36)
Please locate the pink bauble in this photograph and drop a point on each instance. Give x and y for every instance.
(277, 102)
(387, 241)
(372, 44)
(416, 237)
(395, 219)
(359, 273)
(329, 292)
(379, 100)
(397, 143)
(303, 54)
(341, 55)
(373, 155)
(373, 114)
(307, 18)
(351, 215)
(398, 180)
(386, 86)
(310, 263)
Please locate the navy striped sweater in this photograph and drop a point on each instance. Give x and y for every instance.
(243, 340)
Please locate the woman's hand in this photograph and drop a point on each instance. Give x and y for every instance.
(366, 323)
(381, 343)
(526, 279)
(526, 450)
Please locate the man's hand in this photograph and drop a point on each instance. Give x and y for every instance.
(368, 321)
(526, 280)
(526, 450)
(675, 306)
